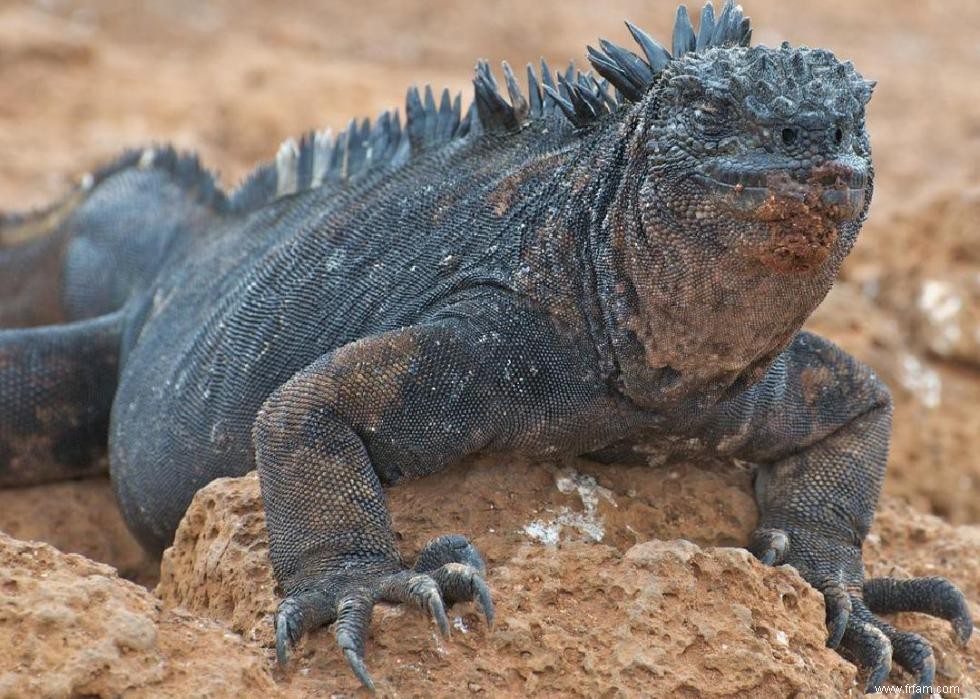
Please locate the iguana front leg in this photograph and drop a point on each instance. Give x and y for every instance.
(388, 407)
(818, 425)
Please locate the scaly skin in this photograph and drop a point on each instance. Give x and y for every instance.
(559, 273)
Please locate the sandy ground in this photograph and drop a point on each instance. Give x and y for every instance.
(80, 80)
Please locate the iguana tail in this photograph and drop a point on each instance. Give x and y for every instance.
(86, 255)
(56, 388)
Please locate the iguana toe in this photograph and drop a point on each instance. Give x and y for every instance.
(450, 548)
(868, 646)
(456, 565)
(834, 567)
(462, 583)
(448, 570)
(838, 605)
(418, 589)
(288, 629)
(297, 615)
(934, 596)
(913, 653)
(909, 650)
(350, 630)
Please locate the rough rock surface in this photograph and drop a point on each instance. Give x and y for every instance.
(70, 627)
(581, 617)
(596, 594)
(586, 604)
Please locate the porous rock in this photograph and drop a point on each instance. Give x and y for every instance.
(70, 627)
(578, 617)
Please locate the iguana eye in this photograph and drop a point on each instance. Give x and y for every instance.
(711, 119)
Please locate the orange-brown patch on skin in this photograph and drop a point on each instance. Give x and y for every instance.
(444, 206)
(813, 380)
(372, 366)
(504, 195)
(552, 250)
(801, 236)
(581, 180)
(799, 243)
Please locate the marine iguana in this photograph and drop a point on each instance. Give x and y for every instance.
(587, 265)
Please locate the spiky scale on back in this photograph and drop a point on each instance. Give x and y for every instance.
(577, 98)
(657, 55)
(684, 38)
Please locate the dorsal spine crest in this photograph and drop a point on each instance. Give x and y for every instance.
(577, 98)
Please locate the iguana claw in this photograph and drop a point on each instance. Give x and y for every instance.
(448, 570)
(286, 634)
(356, 663)
(838, 605)
(853, 605)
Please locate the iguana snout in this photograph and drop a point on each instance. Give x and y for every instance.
(794, 211)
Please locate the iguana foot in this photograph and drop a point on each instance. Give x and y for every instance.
(837, 571)
(448, 570)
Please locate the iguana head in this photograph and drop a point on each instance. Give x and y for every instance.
(759, 150)
(763, 149)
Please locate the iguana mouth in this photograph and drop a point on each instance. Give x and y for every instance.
(834, 190)
(799, 212)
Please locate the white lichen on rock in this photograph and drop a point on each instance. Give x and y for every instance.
(588, 522)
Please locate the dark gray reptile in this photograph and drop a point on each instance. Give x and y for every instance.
(579, 268)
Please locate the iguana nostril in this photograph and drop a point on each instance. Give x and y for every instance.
(790, 135)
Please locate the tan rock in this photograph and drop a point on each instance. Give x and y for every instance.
(219, 564)
(578, 616)
(71, 627)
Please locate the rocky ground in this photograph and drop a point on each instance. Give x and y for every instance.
(597, 593)
(609, 581)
